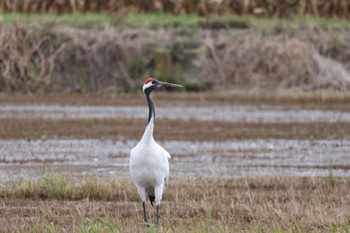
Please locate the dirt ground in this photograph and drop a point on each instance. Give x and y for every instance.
(189, 130)
(326, 100)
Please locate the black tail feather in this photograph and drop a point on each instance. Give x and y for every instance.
(151, 199)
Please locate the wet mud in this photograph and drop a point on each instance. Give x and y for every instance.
(201, 159)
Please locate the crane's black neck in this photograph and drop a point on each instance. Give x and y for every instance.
(152, 112)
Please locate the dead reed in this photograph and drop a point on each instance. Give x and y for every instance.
(48, 60)
(335, 8)
(269, 62)
(63, 58)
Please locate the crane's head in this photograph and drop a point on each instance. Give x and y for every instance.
(152, 84)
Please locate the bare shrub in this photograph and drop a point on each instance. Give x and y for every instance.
(88, 64)
(63, 58)
(25, 60)
(272, 61)
(94, 61)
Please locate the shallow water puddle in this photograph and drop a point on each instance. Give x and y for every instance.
(74, 158)
(222, 113)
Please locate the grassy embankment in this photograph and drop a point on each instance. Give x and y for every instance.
(47, 57)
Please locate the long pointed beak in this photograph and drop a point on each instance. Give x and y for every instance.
(165, 84)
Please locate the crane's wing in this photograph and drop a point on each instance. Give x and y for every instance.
(166, 154)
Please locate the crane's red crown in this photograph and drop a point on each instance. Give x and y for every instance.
(149, 80)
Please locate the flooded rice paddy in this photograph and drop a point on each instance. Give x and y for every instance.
(183, 112)
(75, 157)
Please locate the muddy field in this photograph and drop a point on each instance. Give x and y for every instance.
(211, 134)
(233, 156)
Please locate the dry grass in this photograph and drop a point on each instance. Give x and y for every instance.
(335, 8)
(273, 62)
(47, 59)
(250, 205)
(53, 57)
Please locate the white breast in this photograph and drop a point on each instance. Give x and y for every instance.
(149, 165)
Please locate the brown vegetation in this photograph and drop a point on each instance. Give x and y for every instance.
(60, 58)
(277, 61)
(302, 204)
(285, 8)
(34, 59)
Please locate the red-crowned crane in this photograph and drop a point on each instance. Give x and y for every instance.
(149, 165)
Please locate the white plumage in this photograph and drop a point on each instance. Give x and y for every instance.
(149, 165)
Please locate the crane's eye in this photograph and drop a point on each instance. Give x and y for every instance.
(154, 82)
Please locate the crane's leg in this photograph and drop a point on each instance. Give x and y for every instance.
(142, 193)
(158, 192)
(144, 214)
(157, 216)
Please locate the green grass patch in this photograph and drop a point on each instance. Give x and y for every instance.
(80, 20)
(160, 20)
(155, 20)
(57, 186)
